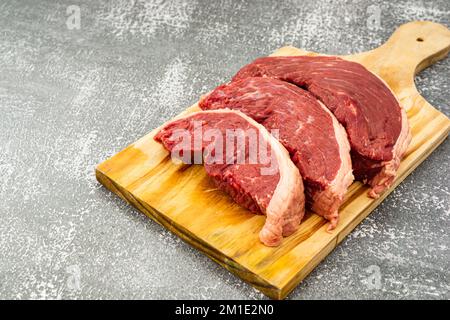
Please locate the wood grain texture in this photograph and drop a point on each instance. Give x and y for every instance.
(184, 200)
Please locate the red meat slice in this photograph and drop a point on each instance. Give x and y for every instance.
(376, 125)
(272, 186)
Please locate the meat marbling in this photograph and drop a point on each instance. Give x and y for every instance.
(376, 125)
(278, 194)
(315, 140)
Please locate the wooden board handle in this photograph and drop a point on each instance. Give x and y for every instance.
(419, 44)
(410, 49)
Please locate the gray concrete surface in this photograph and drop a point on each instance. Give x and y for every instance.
(70, 98)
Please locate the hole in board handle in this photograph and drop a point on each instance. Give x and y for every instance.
(419, 39)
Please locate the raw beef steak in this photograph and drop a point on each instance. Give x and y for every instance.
(376, 125)
(316, 142)
(256, 172)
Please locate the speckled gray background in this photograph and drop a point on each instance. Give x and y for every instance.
(71, 98)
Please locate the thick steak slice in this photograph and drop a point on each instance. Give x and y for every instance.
(316, 142)
(245, 161)
(376, 125)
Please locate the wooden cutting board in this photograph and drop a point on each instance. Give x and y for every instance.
(183, 199)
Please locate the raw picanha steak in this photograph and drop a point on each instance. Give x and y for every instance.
(316, 142)
(376, 125)
(244, 160)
